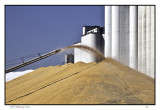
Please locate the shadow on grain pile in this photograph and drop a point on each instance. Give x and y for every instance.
(106, 82)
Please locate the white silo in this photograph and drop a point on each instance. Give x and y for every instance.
(91, 41)
(148, 40)
(133, 56)
(77, 53)
(115, 32)
(152, 40)
(144, 39)
(108, 31)
(124, 35)
(129, 33)
(140, 38)
(83, 52)
(93, 38)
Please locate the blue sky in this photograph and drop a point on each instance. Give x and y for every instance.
(34, 29)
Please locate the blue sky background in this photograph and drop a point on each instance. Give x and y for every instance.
(33, 29)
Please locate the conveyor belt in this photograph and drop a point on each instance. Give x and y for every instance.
(33, 60)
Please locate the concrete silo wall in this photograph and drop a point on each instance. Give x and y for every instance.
(95, 41)
(152, 41)
(129, 36)
(91, 41)
(140, 38)
(83, 52)
(146, 36)
(143, 12)
(133, 37)
(124, 35)
(148, 40)
(115, 32)
(77, 54)
(108, 31)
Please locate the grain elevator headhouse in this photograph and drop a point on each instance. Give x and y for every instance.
(92, 37)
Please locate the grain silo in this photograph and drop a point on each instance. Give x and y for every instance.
(129, 36)
(77, 53)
